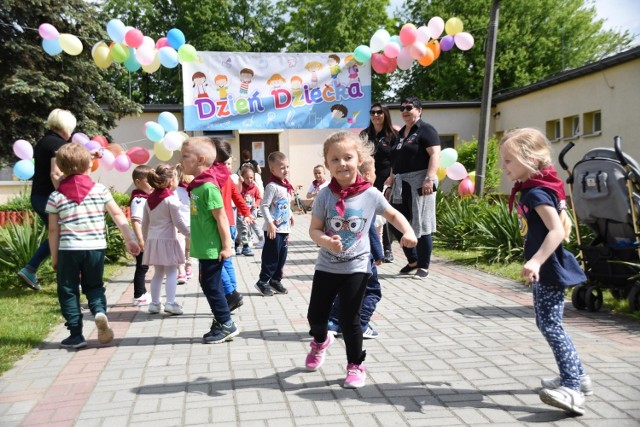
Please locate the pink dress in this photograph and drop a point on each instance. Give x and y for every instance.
(161, 245)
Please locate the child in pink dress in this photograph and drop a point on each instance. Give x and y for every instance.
(162, 248)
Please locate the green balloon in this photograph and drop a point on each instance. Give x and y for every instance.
(187, 53)
(119, 52)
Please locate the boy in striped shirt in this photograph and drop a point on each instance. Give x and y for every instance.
(77, 238)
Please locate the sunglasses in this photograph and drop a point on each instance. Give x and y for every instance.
(406, 108)
(376, 112)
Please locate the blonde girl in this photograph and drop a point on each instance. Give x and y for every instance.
(162, 248)
(526, 160)
(341, 217)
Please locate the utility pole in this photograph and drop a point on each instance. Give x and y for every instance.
(487, 91)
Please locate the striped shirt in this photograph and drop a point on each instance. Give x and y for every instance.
(82, 226)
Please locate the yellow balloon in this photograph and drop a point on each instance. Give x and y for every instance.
(472, 176)
(161, 152)
(70, 44)
(453, 26)
(441, 173)
(154, 66)
(101, 55)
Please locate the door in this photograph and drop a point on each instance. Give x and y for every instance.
(270, 143)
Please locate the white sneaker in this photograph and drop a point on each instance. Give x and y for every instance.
(260, 244)
(142, 300)
(586, 387)
(105, 333)
(564, 398)
(172, 308)
(155, 307)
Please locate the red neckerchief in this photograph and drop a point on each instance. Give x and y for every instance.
(317, 184)
(246, 188)
(356, 188)
(76, 187)
(547, 178)
(221, 173)
(184, 185)
(282, 183)
(207, 175)
(138, 193)
(157, 196)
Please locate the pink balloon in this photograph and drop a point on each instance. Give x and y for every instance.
(107, 159)
(447, 43)
(463, 40)
(23, 149)
(466, 187)
(134, 38)
(138, 155)
(379, 63)
(436, 26)
(457, 171)
(418, 50)
(162, 42)
(122, 163)
(404, 59)
(48, 32)
(408, 34)
(391, 50)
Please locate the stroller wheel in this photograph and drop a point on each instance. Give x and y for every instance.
(634, 297)
(577, 297)
(593, 298)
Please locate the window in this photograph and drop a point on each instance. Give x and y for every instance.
(571, 127)
(553, 130)
(447, 141)
(593, 123)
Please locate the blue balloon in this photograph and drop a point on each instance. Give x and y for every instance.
(154, 132)
(168, 121)
(52, 46)
(175, 37)
(24, 169)
(168, 57)
(116, 30)
(131, 63)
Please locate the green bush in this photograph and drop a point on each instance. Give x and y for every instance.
(121, 199)
(21, 202)
(18, 242)
(456, 219)
(498, 234)
(467, 154)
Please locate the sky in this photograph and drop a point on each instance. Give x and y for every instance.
(618, 15)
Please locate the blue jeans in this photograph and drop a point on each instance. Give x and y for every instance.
(548, 303)
(211, 283)
(274, 255)
(229, 282)
(39, 203)
(372, 294)
(420, 253)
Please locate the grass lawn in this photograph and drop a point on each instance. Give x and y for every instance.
(26, 316)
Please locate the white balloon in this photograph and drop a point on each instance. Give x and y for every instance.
(463, 40)
(173, 140)
(404, 59)
(379, 40)
(423, 34)
(436, 25)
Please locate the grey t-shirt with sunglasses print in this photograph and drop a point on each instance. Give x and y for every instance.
(352, 227)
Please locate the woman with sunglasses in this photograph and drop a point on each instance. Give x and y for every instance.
(415, 158)
(382, 134)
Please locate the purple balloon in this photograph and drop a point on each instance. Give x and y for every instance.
(81, 138)
(447, 43)
(92, 145)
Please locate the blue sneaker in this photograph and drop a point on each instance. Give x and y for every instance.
(29, 278)
(73, 341)
(334, 328)
(220, 333)
(369, 333)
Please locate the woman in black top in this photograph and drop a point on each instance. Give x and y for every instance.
(382, 134)
(415, 159)
(47, 176)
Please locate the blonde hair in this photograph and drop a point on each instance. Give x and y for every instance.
(363, 148)
(532, 148)
(202, 146)
(367, 165)
(61, 120)
(73, 158)
(183, 177)
(161, 176)
(276, 156)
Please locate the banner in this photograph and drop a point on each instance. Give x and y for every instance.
(226, 91)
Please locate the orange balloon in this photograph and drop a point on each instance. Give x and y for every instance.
(94, 165)
(115, 149)
(434, 46)
(427, 59)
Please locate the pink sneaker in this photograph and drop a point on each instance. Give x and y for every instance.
(315, 358)
(356, 376)
(182, 279)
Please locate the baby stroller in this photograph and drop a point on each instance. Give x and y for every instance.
(605, 196)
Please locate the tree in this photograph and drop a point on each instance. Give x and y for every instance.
(34, 83)
(535, 41)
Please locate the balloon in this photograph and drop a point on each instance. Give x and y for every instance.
(70, 44)
(138, 155)
(116, 149)
(448, 156)
(408, 34)
(155, 64)
(187, 53)
(379, 63)
(122, 163)
(145, 55)
(173, 141)
(48, 32)
(447, 43)
(391, 50)
(404, 59)
(124, 39)
(107, 159)
(417, 50)
(116, 30)
(24, 169)
(453, 26)
(162, 42)
(175, 37)
(168, 121)
(119, 52)
(80, 138)
(436, 26)
(92, 145)
(23, 149)
(134, 38)
(466, 187)
(434, 46)
(161, 152)
(396, 40)
(101, 55)
(441, 173)
(427, 59)
(94, 165)
(392, 64)
(379, 39)
(472, 176)
(101, 140)
(362, 53)
(457, 171)
(148, 42)
(51, 46)
(423, 34)
(154, 132)
(168, 57)
(131, 63)
(464, 41)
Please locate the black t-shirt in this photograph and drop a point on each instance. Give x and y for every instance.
(381, 157)
(410, 154)
(43, 152)
(561, 268)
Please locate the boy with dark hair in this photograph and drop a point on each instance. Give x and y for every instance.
(136, 205)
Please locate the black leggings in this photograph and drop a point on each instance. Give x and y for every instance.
(351, 289)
